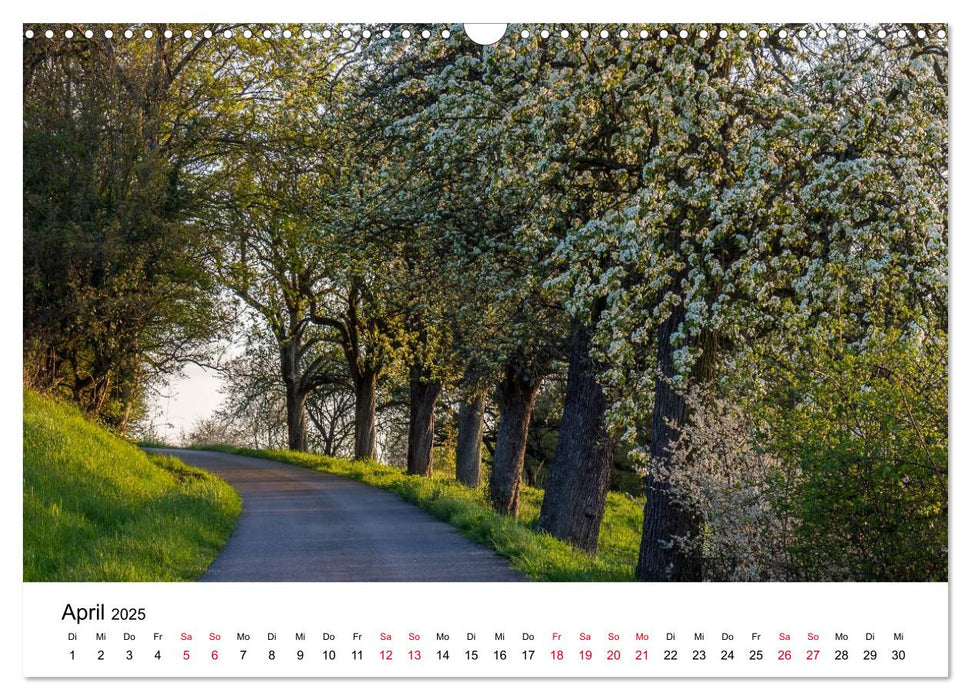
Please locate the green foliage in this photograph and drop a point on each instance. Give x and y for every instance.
(114, 293)
(96, 508)
(868, 427)
(539, 556)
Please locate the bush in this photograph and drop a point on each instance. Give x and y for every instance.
(868, 425)
(739, 494)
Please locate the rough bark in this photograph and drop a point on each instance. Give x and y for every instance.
(515, 398)
(296, 418)
(421, 421)
(365, 405)
(579, 474)
(664, 519)
(468, 452)
(296, 397)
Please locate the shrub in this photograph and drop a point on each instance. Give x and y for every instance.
(739, 493)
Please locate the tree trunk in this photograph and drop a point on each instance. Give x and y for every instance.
(664, 519)
(468, 452)
(295, 397)
(515, 397)
(296, 418)
(421, 421)
(365, 404)
(576, 486)
(126, 415)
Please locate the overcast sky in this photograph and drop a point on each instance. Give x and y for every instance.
(184, 400)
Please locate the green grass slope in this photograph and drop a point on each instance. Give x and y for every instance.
(97, 508)
(538, 555)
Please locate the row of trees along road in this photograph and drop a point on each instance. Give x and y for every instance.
(406, 227)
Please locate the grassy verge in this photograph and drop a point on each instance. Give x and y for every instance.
(539, 556)
(97, 508)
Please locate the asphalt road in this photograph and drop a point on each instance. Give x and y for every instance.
(302, 525)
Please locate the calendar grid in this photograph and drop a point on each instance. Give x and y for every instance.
(538, 630)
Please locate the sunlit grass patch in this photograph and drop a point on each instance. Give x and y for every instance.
(97, 508)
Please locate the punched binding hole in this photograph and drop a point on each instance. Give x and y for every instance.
(485, 34)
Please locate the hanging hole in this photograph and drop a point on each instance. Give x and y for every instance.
(485, 34)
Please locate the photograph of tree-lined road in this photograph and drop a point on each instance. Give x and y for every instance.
(614, 303)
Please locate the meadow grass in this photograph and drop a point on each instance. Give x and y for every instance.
(97, 508)
(538, 555)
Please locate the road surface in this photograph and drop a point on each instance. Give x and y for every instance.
(302, 525)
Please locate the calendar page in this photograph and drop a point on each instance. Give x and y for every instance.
(550, 350)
